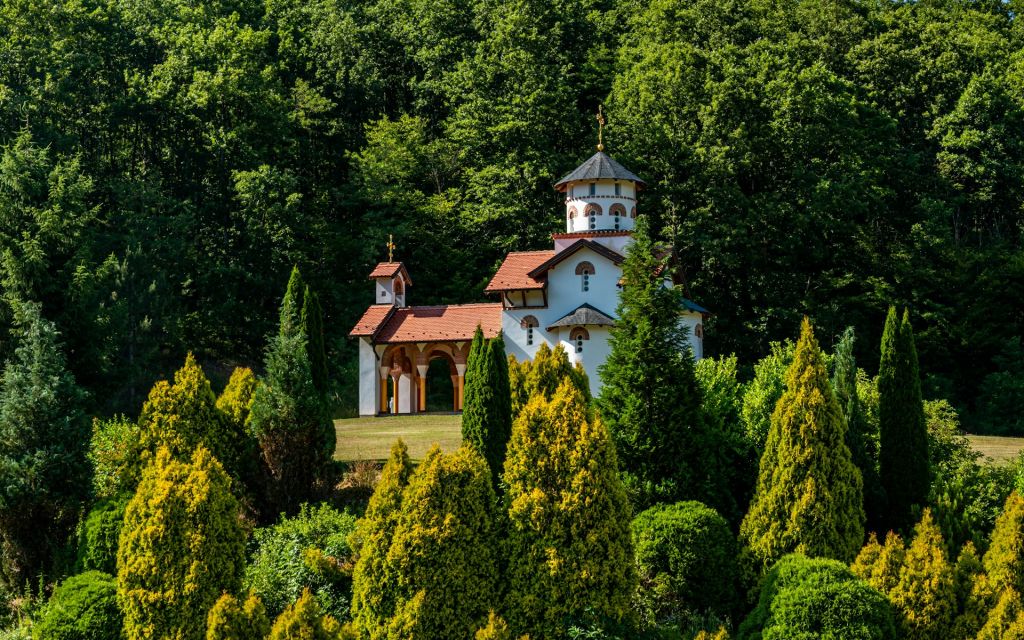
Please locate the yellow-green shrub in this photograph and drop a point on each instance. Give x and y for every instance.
(232, 619)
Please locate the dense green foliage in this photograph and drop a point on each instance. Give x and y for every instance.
(763, 392)
(115, 454)
(817, 598)
(487, 408)
(181, 547)
(903, 436)
(808, 498)
(374, 581)
(44, 436)
(686, 561)
(306, 551)
(83, 607)
(305, 620)
(99, 535)
(445, 548)
(570, 556)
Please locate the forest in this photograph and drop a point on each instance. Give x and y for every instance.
(192, 194)
(164, 164)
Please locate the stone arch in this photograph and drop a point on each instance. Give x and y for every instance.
(572, 212)
(632, 212)
(529, 321)
(579, 332)
(617, 209)
(592, 210)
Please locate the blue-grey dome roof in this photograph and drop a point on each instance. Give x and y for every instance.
(599, 166)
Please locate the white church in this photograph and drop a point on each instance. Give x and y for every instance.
(566, 295)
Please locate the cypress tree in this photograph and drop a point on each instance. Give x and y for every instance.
(903, 436)
(183, 415)
(650, 399)
(487, 407)
(925, 596)
(374, 579)
(1006, 620)
(445, 548)
(808, 497)
(1004, 560)
(181, 547)
(232, 619)
(570, 555)
(292, 304)
(863, 449)
(235, 401)
(44, 438)
(542, 376)
(313, 329)
(305, 621)
(880, 565)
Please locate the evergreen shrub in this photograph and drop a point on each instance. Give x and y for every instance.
(83, 607)
(99, 535)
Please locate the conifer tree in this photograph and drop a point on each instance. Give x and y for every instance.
(903, 436)
(44, 438)
(182, 546)
(863, 448)
(925, 596)
(183, 415)
(235, 401)
(808, 498)
(232, 619)
(374, 579)
(305, 621)
(292, 304)
(569, 547)
(495, 629)
(880, 565)
(1004, 560)
(445, 548)
(487, 408)
(1006, 620)
(313, 329)
(650, 399)
(542, 376)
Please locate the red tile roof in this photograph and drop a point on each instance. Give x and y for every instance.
(388, 270)
(541, 269)
(372, 319)
(441, 323)
(513, 274)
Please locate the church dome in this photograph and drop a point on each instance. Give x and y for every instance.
(600, 196)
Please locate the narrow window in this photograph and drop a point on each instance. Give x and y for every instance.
(584, 270)
(593, 221)
(586, 281)
(529, 322)
(616, 222)
(593, 188)
(618, 189)
(579, 344)
(529, 336)
(577, 336)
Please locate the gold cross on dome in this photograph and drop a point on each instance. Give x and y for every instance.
(600, 128)
(391, 248)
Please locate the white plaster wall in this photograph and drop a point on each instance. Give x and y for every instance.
(406, 393)
(690, 320)
(595, 352)
(578, 197)
(383, 293)
(369, 379)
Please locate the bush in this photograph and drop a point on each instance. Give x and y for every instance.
(817, 598)
(305, 620)
(114, 453)
(83, 607)
(307, 551)
(1001, 394)
(99, 534)
(686, 559)
(232, 619)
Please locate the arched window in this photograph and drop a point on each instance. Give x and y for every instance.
(619, 212)
(584, 270)
(399, 287)
(632, 212)
(572, 212)
(592, 211)
(529, 323)
(699, 331)
(578, 336)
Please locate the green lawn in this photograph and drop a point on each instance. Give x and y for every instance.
(371, 438)
(999, 448)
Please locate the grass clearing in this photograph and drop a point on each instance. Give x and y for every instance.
(371, 438)
(999, 448)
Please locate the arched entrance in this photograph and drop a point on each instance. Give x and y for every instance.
(441, 380)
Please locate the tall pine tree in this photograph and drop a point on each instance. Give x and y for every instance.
(487, 405)
(903, 436)
(650, 399)
(292, 304)
(313, 328)
(809, 494)
(44, 436)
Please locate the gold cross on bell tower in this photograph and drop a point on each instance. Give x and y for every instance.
(391, 248)
(600, 128)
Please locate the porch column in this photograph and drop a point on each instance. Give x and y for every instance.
(461, 368)
(384, 389)
(394, 395)
(422, 370)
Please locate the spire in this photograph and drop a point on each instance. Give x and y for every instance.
(600, 128)
(391, 248)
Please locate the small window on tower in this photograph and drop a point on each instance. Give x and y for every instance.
(578, 336)
(584, 270)
(593, 188)
(593, 221)
(383, 294)
(529, 323)
(616, 222)
(618, 189)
